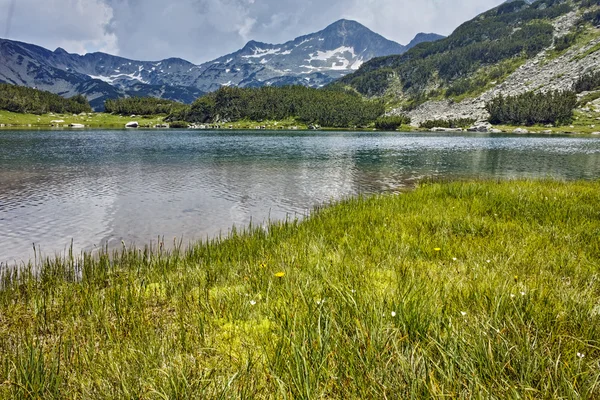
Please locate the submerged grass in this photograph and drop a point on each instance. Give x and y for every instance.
(460, 290)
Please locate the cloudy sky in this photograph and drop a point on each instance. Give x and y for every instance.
(201, 30)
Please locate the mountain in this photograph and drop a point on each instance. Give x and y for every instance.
(97, 76)
(422, 38)
(517, 47)
(311, 60)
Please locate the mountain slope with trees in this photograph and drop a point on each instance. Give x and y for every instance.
(512, 49)
(26, 100)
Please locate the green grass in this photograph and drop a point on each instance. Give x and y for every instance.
(456, 290)
(583, 55)
(92, 120)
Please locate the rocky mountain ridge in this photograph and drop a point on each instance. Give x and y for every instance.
(311, 60)
(544, 72)
(519, 46)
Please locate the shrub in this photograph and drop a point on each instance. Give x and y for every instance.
(392, 122)
(178, 124)
(533, 108)
(587, 82)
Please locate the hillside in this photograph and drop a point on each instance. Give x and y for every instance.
(26, 100)
(511, 49)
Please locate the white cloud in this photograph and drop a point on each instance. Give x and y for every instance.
(75, 25)
(200, 30)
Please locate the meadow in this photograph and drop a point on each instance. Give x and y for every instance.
(455, 289)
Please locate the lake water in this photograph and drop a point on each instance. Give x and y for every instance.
(98, 187)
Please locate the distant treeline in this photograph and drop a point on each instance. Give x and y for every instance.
(21, 99)
(330, 108)
(142, 106)
(533, 108)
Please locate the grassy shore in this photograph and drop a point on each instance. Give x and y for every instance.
(91, 120)
(585, 123)
(459, 290)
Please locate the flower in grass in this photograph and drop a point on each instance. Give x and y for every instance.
(512, 296)
(463, 313)
(393, 314)
(280, 274)
(580, 355)
(437, 249)
(523, 293)
(454, 258)
(488, 261)
(252, 302)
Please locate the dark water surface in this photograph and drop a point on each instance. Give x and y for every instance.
(97, 187)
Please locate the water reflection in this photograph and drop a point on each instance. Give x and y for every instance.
(106, 186)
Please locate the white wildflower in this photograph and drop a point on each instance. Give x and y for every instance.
(580, 355)
(393, 313)
(252, 302)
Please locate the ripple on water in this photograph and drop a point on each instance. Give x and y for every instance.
(101, 187)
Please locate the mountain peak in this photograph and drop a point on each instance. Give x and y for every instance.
(61, 51)
(345, 25)
(424, 37)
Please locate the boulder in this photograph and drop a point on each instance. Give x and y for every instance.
(494, 130)
(481, 126)
(132, 124)
(520, 131)
(57, 121)
(76, 125)
(595, 133)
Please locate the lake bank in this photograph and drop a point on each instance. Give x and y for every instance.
(99, 187)
(466, 288)
(10, 120)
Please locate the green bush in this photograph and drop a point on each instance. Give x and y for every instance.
(587, 82)
(564, 42)
(533, 108)
(178, 124)
(392, 122)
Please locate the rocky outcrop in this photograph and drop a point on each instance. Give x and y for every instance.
(541, 73)
(132, 124)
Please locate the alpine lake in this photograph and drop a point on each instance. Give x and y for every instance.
(88, 189)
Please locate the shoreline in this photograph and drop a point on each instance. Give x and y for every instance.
(93, 121)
